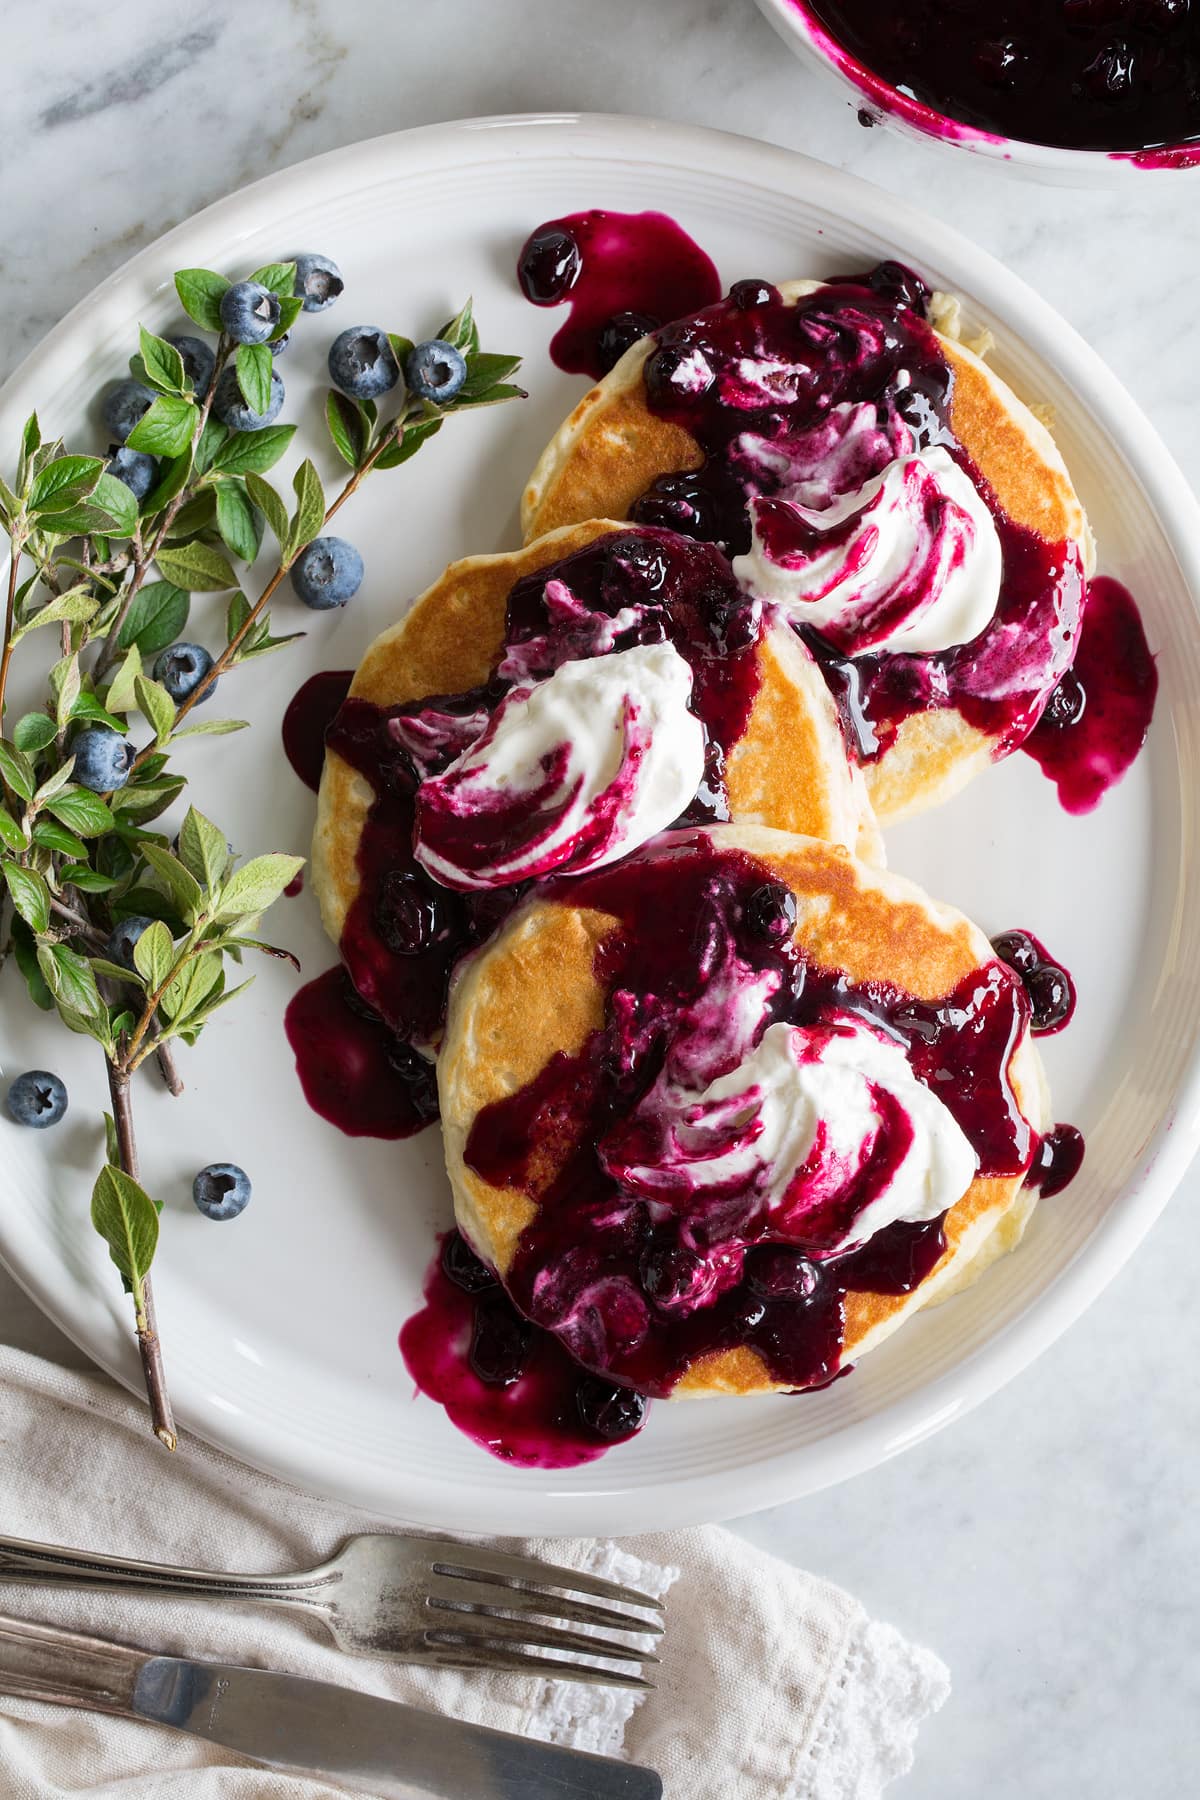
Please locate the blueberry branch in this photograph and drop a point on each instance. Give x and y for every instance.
(14, 569)
(162, 1418)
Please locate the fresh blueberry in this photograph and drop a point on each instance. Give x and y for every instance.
(138, 471)
(610, 1411)
(435, 371)
(37, 1098)
(461, 1266)
(230, 405)
(198, 362)
(327, 573)
(123, 941)
(250, 312)
(123, 406)
(318, 281)
(103, 759)
(362, 364)
(221, 1191)
(278, 345)
(181, 669)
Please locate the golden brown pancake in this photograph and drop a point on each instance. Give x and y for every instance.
(612, 447)
(788, 770)
(872, 924)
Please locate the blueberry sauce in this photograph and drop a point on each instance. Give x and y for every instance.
(353, 1070)
(622, 274)
(1056, 1161)
(1049, 986)
(505, 1383)
(1097, 718)
(295, 886)
(1079, 74)
(638, 1285)
(310, 713)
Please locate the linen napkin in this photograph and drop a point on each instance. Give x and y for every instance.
(774, 1684)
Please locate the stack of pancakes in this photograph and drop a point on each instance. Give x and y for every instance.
(799, 803)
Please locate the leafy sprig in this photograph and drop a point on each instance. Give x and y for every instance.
(116, 580)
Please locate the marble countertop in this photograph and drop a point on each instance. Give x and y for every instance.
(1048, 1545)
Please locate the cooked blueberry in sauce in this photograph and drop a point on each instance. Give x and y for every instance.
(406, 911)
(619, 334)
(549, 264)
(771, 911)
(777, 1273)
(1020, 950)
(745, 294)
(463, 1267)
(1056, 1160)
(610, 1411)
(500, 1343)
(1050, 988)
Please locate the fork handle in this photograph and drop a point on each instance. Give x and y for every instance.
(53, 1565)
(42, 1662)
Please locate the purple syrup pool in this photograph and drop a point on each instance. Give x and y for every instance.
(310, 713)
(1079, 74)
(1096, 720)
(353, 1070)
(505, 1383)
(622, 274)
(639, 1288)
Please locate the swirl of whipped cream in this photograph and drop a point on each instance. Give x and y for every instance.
(570, 773)
(822, 1133)
(909, 563)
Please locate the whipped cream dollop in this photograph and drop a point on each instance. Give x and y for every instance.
(909, 562)
(822, 1135)
(570, 773)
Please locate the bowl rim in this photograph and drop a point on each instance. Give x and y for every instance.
(796, 19)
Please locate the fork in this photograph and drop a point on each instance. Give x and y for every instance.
(414, 1599)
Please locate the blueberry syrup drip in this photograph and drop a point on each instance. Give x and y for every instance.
(1097, 718)
(1080, 74)
(295, 886)
(504, 1382)
(310, 713)
(1056, 1161)
(1049, 986)
(622, 274)
(637, 1290)
(353, 1070)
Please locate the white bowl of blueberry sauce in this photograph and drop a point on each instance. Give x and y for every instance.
(1071, 91)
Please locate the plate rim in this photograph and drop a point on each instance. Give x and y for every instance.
(785, 1474)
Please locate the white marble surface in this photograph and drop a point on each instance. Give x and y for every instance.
(1048, 1545)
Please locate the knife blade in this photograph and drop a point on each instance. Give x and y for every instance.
(397, 1752)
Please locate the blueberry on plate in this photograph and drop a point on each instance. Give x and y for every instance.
(221, 1191)
(612, 1412)
(198, 362)
(318, 281)
(123, 406)
(103, 759)
(123, 940)
(435, 371)
(182, 668)
(327, 573)
(362, 364)
(231, 408)
(250, 312)
(138, 471)
(38, 1099)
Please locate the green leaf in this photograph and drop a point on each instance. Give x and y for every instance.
(211, 728)
(194, 516)
(66, 688)
(484, 369)
(257, 450)
(402, 347)
(200, 290)
(502, 391)
(154, 955)
(33, 732)
(54, 783)
(269, 504)
(254, 365)
(236, 615)
(31, 435)
(174, 475)
(126, 1218)
(157, 706)
(70, 978)
(196, 567)
(252, 888)
(112, 1144)
(167, 429)
(147, 799)
(50, 835)
(209, 444)
(461, 329)
(409, 443)
(309, 515)
(203, 849)
(17, 770)
(88, 880)
(75, 607)
(82, 811)
(278, 277)
(184, 890)
(122, 692)
(30, 895)
(162, 365)
(157, 615)
(290, 308)
(25, 956)
(63, 482)
(111, 509)
(235, 520)
(192, 987)
(10, 832)
(346, 428)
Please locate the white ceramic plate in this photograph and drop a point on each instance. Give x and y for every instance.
(280, 1330)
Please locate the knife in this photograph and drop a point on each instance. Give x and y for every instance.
(392, 1751)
